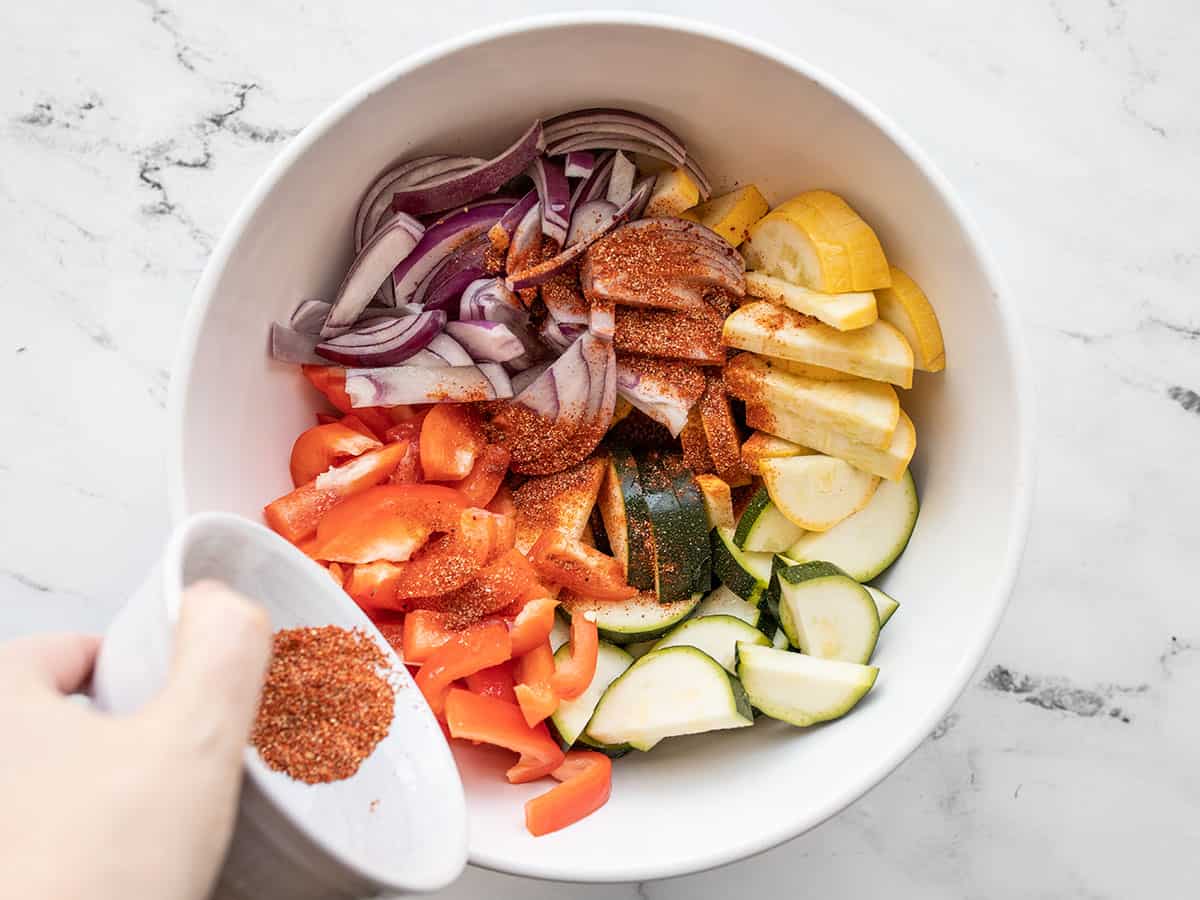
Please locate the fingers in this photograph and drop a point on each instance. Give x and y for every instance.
(222, 644)
(61, 662)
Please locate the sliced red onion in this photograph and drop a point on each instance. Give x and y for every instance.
(562, 390)
(602, 318)
(601, 360)
(522, 380)
(555, 195)
(450, 351)
(404, 385)
(639, 207)
(385, 342)
(622, 121)
(310, 315)
(378, 198)
(662, 399)
(291, 346)
(486, 341)
(501, 233)
(551, 267)
(425, 358)
(616, 142)
(590, 218)
(488, 298)
(458, 188)
(376, 204)
(390, 246)
(439, 241)
(620, 184)
(595, 185)
(579, 164)
(560, 335)
(526, 246)
(443, 287)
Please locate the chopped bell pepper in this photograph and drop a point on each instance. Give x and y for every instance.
(475, 717)
(586, 778)
(478, 647)
(572, 676)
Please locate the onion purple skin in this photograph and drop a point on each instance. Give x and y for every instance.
(595, 185)
(450, 351)
(488, 298)
(560, 335)
(377, 199)
(383, 342)
(598, 118)
(407, 384)
(388, 247)
(459, 188)
(486, 341)
(501, 233)
(444, 286)
(439, 241)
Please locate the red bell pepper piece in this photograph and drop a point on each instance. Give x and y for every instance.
(572, 564)
(486, 476)
(474, 717)
(450, 560)
(535, 694)
(478, 647)
(324, 446)
(572, 676)
(390, 522)
(373, 586)
(451, 439)
(499, 584)
(533, 624)
(494, 681)
(297, 514)
(586, 778)
(408, 471)
(424, 632)
(353, 421)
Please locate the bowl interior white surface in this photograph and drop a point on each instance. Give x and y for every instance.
(749, 115)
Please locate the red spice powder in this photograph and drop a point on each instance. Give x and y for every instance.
(673, 335)
(326, 703)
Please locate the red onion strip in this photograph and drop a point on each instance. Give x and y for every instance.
(386, 342)
(382, 253)
(404, 385)
(555, 195)
(439, 241)
(579, 164)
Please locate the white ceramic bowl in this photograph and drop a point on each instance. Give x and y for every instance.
(750, 114)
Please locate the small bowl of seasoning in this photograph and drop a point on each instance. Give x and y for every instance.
(350, 789)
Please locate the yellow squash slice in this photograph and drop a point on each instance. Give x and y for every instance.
(731, 215)
(890, 462)
(760, 446)
(817, 492)
(674, 192)
(905, 306)
(845, 312)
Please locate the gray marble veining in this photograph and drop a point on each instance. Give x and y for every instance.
(130, 130)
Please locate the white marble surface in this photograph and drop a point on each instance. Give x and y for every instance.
(130, 129)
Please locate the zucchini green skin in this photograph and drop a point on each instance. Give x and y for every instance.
(673, 564)
(694, 515)
(581, 740)
(671, 615)
(731, 568)
(763, 528)
(638, 527)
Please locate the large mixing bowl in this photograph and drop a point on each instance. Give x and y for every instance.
(750, 114)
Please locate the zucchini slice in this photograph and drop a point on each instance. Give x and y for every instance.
(638, 649)
(826, 613)
(641, 618)
(798, 689)
(694, 515)
(674, 691)
(872, 539)
(884, 604)
(571, 718)
(721, 601)
(626, 516)
(718, 636)
(763, 528)
(745, 573)
(680, 530)
(780, 640)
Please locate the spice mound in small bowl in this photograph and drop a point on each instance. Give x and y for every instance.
(326, 704)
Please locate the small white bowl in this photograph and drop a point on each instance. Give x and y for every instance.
(750, 114)
(398, 825)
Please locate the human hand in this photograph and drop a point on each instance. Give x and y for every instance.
(140, 806)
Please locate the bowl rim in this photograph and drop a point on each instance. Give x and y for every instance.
(808, 817)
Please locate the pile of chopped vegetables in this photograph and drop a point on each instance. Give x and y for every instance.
(535, 475)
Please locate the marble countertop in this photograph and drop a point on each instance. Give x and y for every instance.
(130, 130)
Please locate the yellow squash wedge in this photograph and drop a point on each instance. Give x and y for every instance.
(817, 492)
(731, 215)
(890, 462)
(805, 370)
(674, 192)
(845, 312)
(863, 411)
(905, 306)
(760, 446)
(817, 240)
(878, 352)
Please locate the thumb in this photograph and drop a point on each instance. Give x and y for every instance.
(222, 645)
